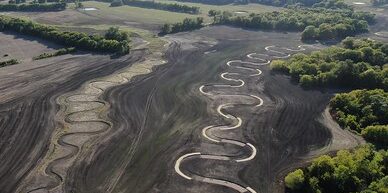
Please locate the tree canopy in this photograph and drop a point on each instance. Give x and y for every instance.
(188, 24)
(362, 171)
(364, 111)
(316, 23)
(175, 7)
(33, 7)
(318, 3)
(359, 63)
(66, 38)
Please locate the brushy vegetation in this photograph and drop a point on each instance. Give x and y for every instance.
(9, 62)
(362, 171)
(266, 2)
(71, 39)
(59, 52)
(364, 111)
(360, 63)
(33, 7)
(316, 23)
(175, 7)
(187, 25)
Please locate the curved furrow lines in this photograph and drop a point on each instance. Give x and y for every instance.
(82, 122)
(210, 132)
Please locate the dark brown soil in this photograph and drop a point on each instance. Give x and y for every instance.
(159, 117)
(27, 106)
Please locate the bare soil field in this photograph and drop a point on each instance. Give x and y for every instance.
(258, 126)
(23, 48)
(159, 117)
(28, 103)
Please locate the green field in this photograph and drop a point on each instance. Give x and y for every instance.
(152, 16)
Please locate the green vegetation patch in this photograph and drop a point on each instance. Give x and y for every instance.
(361, 171)
(74, 39)
(187, 25)
(33, 7)
(266, 2)
(364, 111)
(161, 6)
(59, 52)
(316, 23)
(360, 63)
(9, 63)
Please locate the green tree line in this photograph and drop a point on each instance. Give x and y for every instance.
(188, 24)
(309, 3)
(59, 52)
(316, 23)
(33, 7)
(266, 2)
(174, 7)
(359, 63)
(8, 62)
(362, 171)
(364, 111)
(66, 38)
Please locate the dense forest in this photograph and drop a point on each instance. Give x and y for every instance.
(71, 39)
(379, 2)
(362, 171)
(364, 111)
(156, 5)
(188, 24)
(316, 23)
(33, 7)
(359, 63)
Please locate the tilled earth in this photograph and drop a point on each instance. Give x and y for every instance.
(28, 106)
(158, 117)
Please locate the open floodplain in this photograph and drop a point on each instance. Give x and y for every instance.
(129, 136)
(199, 112)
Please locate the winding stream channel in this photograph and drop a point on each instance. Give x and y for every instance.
(235, 122)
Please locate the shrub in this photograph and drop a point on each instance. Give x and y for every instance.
(295, 180)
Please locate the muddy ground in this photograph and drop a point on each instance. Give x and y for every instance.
(159, 117)
(23, 48)
(27, 104)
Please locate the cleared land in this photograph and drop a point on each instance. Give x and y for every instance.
(66, 127)
(159, 117)
(22, 48)
(28, 107)
(128, 16)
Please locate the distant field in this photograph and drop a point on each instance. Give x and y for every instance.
(250, 8)
(22, 47)
(153, 16)
(127, 16)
